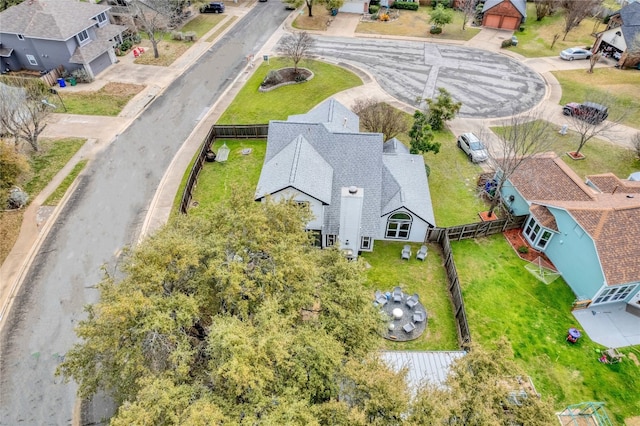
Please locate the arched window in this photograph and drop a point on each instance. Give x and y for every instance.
(399, 226)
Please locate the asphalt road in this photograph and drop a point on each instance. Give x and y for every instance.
(104, 215)
(488, 84)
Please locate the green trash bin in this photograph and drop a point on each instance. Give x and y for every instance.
(72, 81)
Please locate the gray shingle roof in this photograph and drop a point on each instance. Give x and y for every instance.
(50, 19)
(336, 117)
(355, 159)
(520, 5)
(90, 51)
(394, 146)
(630, 15)
(406, 172)
(307, 172)
(422, 367)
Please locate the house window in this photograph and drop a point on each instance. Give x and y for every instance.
(398, 226)
(537, 235)
(102, 19)
(615, 293)
(330, 241)
(32, 60)
(302, 204)
(365, 243)
(316, 238)
(83, 37)
(20, 37)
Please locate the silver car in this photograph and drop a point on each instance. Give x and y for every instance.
(575, 53)
(471, 145)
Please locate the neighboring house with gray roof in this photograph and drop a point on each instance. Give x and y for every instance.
(504, 14)
(588, 229)
(358, 188)
(41, 35)
(621, 39)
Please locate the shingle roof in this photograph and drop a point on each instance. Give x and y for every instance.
(406, 173)
(610, 183)
(50, 19)
(307, 172)
(90, 51)
(611, 217)
(630, 15)
(520, 5)
(355, 159)
(394, 146)
(422, 367)
(546, 177)
(544, 216)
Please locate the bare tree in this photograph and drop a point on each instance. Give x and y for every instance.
(521, 138)
(296, 47)
(544, 8)
(555, 38)
(593, 60)
(589, 122)
(468, 9)
(155, 18)
(379, 117)
(635, 142)
(24, 107)
(575, 11)
(633, 52)
(330, 4)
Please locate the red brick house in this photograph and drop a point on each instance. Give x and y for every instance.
(504, 14)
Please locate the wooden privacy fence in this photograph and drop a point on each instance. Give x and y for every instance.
(51, 78)
(249, 131)
(443, 236)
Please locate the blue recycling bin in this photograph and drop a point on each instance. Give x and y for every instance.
(61, 82)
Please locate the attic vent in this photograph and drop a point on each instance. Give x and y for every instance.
(353, 190)
(344, 122)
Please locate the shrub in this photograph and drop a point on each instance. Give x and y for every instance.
(522, 28)
(523, 249)
(272, 78)
(435, 30)
(506, 43)
(407, 5)
(81, 76)
(177, 35)
(373, 9)
(300, 78)
(635, 142)
(383, 17)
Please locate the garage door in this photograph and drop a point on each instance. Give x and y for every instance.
(510, 23)
(352, 7)
(492, 21)
(100, 64)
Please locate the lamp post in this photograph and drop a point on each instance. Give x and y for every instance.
(55, 92)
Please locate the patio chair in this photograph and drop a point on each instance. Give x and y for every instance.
(406, 252)
(397, 294)
(613, 356)
(419, 316)
(413, 301)
(409, 327)
(422, 253)
(381, 298)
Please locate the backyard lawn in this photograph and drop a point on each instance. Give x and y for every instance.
(503, 299)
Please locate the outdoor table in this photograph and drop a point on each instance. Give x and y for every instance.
(397, 313)
(575, 333)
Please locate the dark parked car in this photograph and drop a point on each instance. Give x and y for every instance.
(213, 7)
(587, 111)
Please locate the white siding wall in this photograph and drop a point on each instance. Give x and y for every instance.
(316, 206)
(418, 228)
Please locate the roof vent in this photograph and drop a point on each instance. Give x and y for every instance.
(353, 190)
(629, 196)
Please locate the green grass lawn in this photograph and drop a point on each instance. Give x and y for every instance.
(109, 100)
(238, 173)
(503, 299)
(201, 24)
(622, 87)
(535, 41)
(47, 163)
(601, 156)
(427, 279)
(59, 192)
(251, 106)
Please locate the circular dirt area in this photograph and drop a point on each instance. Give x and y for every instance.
(284, 77)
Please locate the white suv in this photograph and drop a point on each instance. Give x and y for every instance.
(471, 145)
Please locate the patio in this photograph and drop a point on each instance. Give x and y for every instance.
(406, 315)
(610, 325)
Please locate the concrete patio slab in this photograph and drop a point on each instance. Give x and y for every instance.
(610, 326)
